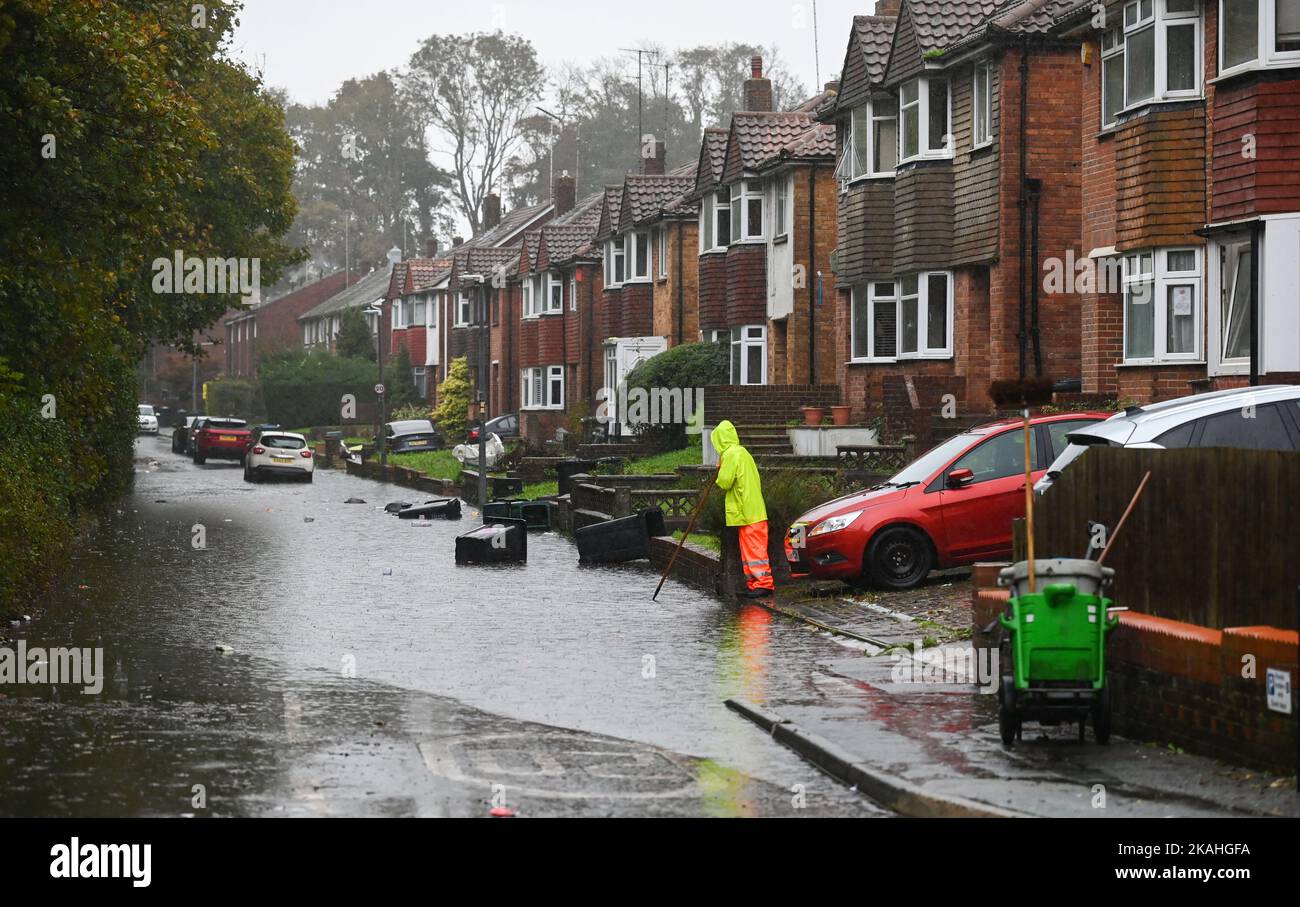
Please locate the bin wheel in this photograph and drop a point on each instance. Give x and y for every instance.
(1101, 717)
(1008, 719)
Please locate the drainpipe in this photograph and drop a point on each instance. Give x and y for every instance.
(812, 286)
(681, 299)
(1035, 188)
(1024, 128)
(1254, 304)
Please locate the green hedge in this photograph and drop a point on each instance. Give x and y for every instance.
(235, 397)
(308, 389)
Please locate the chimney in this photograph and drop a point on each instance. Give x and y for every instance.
(831, 87)
(394, 256)
(887, 7)
(652, 159)
(491, 211)
(457, 241)
(431, 247)
(758, 90)
(564, 193)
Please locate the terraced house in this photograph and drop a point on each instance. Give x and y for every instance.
(766, 197)
(959, 175)
(414, 292)
(1191, 125)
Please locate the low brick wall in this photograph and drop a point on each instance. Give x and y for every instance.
(404, 476)
(695, 565)
(766, 404)
(1183, 684)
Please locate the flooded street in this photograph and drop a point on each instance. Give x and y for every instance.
(370, 675)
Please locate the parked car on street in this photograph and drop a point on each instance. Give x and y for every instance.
(1253, 418)
(953, 505)
(218, 439)
(146, 419)
(181, 435)
(505, 427)
(279, 453)
(411, 436)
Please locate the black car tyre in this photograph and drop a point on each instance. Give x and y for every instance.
(199, 459)
(899, 558)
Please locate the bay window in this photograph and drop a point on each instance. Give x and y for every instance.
(871, 145)
(926, 119)
(542, 387)
(746, 211)
(462, 310)
(554, 293)
(638, 255)
(706, 224)
(397, 315)
(663, 251)
(1152, 54)
(1162, 311)
(722, 218)
(417, 312)
(925, 315)
(781, 206)
(749, 354)
(1256, 33)
(875, 322)
(573, 292)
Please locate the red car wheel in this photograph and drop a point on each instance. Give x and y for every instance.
(899, 558)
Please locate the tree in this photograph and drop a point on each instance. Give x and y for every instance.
(401, 384)
(354, 339)
(452, 414)
(472, 91)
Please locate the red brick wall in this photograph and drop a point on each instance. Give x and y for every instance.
(277, 322)
(819, 225)
(771, 404)
(713, 292)
(591, 351)
(1266, 107)
(637, 315)
(610, 313)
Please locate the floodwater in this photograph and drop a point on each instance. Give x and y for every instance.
(370, 675)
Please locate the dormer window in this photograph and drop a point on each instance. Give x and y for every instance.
(615, 262)
(637, 245)
(926, 117)
(747, 211)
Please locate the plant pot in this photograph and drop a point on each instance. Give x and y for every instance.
(841, 414)
(812, 415)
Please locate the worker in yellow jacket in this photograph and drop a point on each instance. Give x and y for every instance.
(738, 476)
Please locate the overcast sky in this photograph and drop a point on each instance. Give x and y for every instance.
(311, 46)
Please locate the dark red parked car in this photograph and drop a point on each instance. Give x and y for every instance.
(952, 506)
(219, 439)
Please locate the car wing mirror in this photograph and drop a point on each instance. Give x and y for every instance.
(959, 478)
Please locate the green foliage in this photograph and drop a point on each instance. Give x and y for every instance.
(354, 340)
(440, 464)
(411, 411)
(400, 384)
(235, 397)
(788, 495)
(453, 401)
(687, 366)
(308, 389)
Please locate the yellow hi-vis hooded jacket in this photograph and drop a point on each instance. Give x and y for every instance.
(738, 475)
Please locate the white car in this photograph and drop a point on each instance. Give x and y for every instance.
(1251, 418)
(279, 453)
(146, 420)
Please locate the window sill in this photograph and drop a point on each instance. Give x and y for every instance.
(749, 241)
(925, 159)
(982, 146)
(1254, 68)
(718, 250)
(781, 240)
(1160, 363)
(872, 362)
(871, 178)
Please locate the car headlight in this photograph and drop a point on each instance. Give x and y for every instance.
(836, 523)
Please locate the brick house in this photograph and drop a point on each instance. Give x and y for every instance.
(950, 199)
(1191, 120)
(320, 324)
(413, 316)
(273, 325)
(767, 208)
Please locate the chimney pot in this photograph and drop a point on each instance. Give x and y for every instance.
(457, 241)
(756, 67)
(491, 211)
(431, 247)
(654, 165)
(564, 193)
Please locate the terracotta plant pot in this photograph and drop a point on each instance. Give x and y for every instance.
(812, 415)
(841, 414)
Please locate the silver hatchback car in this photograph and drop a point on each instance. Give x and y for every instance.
(1253, 418)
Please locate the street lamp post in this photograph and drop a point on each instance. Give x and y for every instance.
(381, 390)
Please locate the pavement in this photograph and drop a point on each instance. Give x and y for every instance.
(931, 747)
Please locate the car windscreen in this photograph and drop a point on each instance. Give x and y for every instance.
(282, 442)
(146, 410)
(924, 466)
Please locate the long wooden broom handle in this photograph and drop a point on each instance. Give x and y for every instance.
(690, 527)
(1124, 519)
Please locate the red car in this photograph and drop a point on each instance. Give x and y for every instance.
(952, 506)
(220, 439)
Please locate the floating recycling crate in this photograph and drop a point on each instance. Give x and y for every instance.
(442, 509)
(397, 506)
(537, 514)
(624, 539)
(503, 541)
(1053, 650)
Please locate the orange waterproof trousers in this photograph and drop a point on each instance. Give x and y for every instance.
(753, 556)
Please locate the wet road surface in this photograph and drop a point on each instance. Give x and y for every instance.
(371, 676)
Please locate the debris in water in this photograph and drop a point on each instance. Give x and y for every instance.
(388, 571)
(354, 501)
(224, 649)
(502, 812)
(309, 519)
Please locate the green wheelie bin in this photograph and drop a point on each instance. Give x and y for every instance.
(1053, 651)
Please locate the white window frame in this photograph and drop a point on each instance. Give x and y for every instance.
(782, 190)
(982, 105)
(870, 294)
(463, 306)
(721, 209)
(573, 291)
(397, 316)
(706, 224)
(637, 271)
(1161, 279)
(744, 337)
(922, 103)
(553, 282)
(1266, 56)
(538, 387)
(418, 313)
(662, 245)
(615, 255)
(1160, 19)
(923, 351)
(743, 193)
